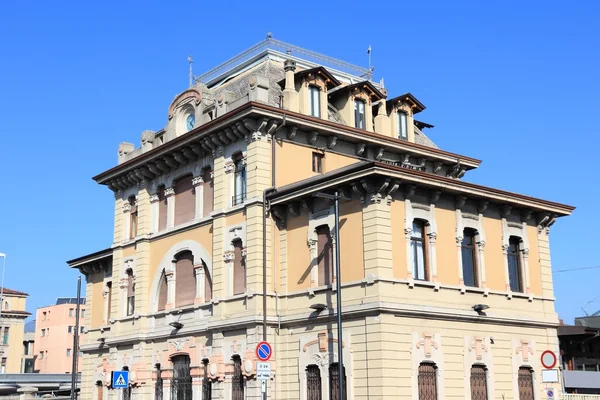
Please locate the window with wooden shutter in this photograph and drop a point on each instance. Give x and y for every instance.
(208, 192)
(313, 383)
(427, 381)
(515, 276)
(239, 269)
(162, 209)
(185, 279)
(237, 380)
(130, 292)
(324, 256)
(185, 203)
(525, 382)
(162, 292)
(334, 382)
(469, 258)
(479, 383)
(207, 283)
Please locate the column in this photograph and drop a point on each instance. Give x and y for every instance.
(198, 183)
(154, 211)
(170, 196)
(143, 209)
(525, 263)
(200, 283)
(432, 237)
(126, 220)
(481, 263)
(170, 276)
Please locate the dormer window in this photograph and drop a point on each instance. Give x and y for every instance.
(314, 101)
(402, 127)
(359, 114)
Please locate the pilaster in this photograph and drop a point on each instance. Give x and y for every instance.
(198, 183)
(170, 196)
(377, 231)
(153, 199)
(382, 121)
(144, 210)
(118, 230)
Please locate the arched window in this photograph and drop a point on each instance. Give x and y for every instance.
(185, 202)
(479, 383)
(162, 209)
(402, 126)
(237, 380)
(324, 255)
(206, 382)
(334, 382)
(163, 292)
(207, 283)
(208, 192)
(130, 292)
(158, 386)
(239, 186)
(313, 383)
(133, 217)
(525, 382)
(515, 276)
(99, 388)
(469, 258)
(418, 248)
(427, 380)
(239, 269)
(181, 385)
(185, 279)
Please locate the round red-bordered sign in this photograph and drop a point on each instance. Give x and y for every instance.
(264, 351)
(548, 359)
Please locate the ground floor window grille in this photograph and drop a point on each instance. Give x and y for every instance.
(427, 381)
(313, 383)
(181, 385)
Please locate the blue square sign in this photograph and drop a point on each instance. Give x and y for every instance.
(120, 379)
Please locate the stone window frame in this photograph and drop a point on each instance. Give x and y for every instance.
(232, 234)
(466, 220)
(519, 230)
(394, 120)
(167, 265)
(418, 211)
(478, 351)
(128, 263)
(427, 348)
(236, 151)
(168, 182)
(310, 353)
(524, 355)
(316, 220)
(304, 94)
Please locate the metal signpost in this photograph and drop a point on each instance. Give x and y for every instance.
(264, 351)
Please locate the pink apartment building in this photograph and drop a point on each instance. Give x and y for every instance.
(54, 330)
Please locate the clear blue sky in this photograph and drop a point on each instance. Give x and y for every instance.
(512, 83)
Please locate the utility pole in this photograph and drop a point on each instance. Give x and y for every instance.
(75, 352)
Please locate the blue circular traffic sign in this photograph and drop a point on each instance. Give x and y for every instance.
(550, 393)
(264, 351)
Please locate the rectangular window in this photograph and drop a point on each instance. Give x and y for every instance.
(469, 258)
(359, 114)
(185, 200)
(239, 181)
(314, 101)
(427, 381)
(133, 218)
(418, 247)
(41, 355)
(108, 300)
(70, 329)
(82, 313)
(44, 316)
(5, 339)
(43, 332)
(130, 293)
(478, 383)
(239, 269)
(81, 330)
(68, 352)
(402, 130)
(324, 256)
(313, 383)
(71, 310)
(317, 163)
(514, 265)
(3, 366)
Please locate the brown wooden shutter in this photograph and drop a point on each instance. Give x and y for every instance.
(185, 281)
(239, 269)
(427, 381)
(162, 294)
(162, 209)
(185, 203)
(478, 383)
(208, 192)
(207, 284)
(525, 384)
(324, 255)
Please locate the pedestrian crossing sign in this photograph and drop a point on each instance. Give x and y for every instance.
(120, 379)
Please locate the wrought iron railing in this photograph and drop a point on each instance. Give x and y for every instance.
(273, 44)
(580, 397)
(238, 199)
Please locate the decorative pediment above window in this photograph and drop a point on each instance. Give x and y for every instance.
(315, 76)
(190, 93)
(406, 102)
(363, 89)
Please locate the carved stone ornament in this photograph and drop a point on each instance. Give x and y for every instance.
(428, 344)
(179, 344)
(479, 347)
(169, 192)
(126, 207)
(525, 350)
(229, 167)
(147, 137)
(154, 198)
(228, 256)
(197, 180)
(243, 252)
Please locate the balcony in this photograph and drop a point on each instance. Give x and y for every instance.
(582, 380)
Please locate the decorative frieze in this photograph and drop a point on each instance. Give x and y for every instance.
(154, 198)
(197, 180)
(228, 256)
(169, 192)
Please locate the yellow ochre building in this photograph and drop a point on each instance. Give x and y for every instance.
(446, 285)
